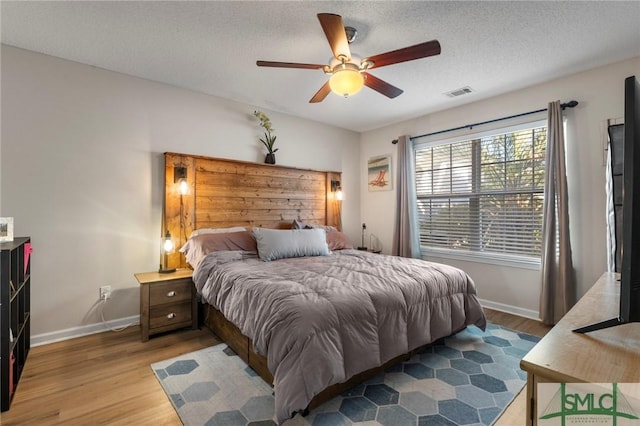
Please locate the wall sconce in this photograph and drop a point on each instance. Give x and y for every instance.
(180, 177)
(167, 247)
(337, 189)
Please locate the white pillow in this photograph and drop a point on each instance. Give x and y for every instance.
(282, 243)
(202, 231)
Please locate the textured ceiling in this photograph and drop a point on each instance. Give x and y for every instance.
(211, 47)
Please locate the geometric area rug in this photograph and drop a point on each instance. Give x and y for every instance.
(465, 379)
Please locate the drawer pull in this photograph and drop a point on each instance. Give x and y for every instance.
(171, 316)
(171, 293)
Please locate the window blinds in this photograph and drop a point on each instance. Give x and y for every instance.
(483, 194)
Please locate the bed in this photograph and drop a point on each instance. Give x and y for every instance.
(312, 315)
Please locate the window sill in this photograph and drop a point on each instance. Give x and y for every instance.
(512, 261)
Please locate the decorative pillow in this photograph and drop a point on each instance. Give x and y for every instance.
(297, 224)
(216, 230)
(198, 247)
(276, 244)
(337, 241)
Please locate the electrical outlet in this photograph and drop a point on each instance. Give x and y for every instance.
(105, 292)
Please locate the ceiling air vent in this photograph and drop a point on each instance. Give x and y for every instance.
(459, 92)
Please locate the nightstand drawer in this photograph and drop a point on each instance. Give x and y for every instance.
(178, 314)
(170, 292)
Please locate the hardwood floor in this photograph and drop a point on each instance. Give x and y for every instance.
(106, 379)
(515, 322)
(100, 379)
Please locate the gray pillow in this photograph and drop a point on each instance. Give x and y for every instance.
(276, 244)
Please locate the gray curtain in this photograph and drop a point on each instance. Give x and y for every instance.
(558, 282)
(405, 237)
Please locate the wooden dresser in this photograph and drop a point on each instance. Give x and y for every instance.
(611, 355)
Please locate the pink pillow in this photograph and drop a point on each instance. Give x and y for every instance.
(199, 246)
(336, 240)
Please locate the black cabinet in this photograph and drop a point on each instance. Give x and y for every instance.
(15, 318)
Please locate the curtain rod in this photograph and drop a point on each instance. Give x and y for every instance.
(570, 104)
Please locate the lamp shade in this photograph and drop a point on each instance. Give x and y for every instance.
(346, 80)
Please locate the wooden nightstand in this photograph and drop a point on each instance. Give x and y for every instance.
(167, 302)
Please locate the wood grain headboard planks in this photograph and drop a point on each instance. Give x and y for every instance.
(225, 193)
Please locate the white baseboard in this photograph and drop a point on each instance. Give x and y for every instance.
(496, 306)
(85, 330)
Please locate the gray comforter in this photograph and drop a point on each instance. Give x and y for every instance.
(320, 320)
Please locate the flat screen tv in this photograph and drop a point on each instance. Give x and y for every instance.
(630, 268)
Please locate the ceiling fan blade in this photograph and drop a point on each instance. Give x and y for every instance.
(422, 50)
(321, 94)
(288, 65)
(334, 30)
(381, 86)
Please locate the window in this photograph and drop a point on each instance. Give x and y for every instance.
(483, 194)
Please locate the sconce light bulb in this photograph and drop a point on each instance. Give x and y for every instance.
(339, 195)
(184, 187)
(168, 245)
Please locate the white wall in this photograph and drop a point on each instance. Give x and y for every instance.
(81, 173)
(600, 93)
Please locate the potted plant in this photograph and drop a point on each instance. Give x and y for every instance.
(269, 138)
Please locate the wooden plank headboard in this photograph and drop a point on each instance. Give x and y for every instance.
(224, 193)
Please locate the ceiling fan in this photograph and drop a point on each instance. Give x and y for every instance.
(348, 75)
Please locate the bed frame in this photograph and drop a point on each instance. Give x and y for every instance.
(225, 193)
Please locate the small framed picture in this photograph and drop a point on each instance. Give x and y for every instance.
(6, 229)
(379, 173)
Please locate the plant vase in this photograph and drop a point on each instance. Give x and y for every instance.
(270, 158)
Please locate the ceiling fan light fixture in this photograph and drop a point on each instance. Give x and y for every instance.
(346, 77)
(346, 80)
